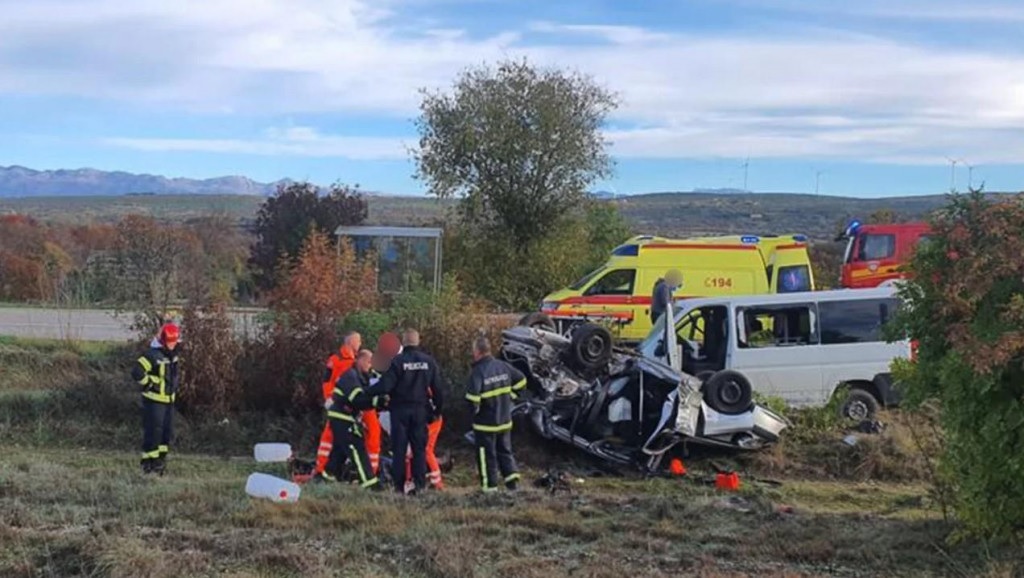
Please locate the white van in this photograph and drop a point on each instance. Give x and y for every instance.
(801, 347)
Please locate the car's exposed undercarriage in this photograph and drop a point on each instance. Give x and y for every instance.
(623, 408)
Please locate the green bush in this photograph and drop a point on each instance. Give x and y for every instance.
(448, 321)
(965, 309)
(370, 324)
(515, 278)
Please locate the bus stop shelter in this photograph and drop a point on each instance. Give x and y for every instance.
(406, 257)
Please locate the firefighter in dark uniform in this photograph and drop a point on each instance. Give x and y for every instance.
(413, 381)
(157, 371)
(492, 388)
(349, 399)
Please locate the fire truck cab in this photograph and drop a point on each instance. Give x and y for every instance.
(875, 254)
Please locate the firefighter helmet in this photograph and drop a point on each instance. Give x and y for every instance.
(169, 335)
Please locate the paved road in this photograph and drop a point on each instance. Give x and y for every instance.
(80, 324)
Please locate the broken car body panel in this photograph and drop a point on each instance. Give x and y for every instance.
(622, 407)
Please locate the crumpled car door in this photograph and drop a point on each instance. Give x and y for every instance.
(679, 416)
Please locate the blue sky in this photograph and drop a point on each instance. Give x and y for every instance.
(866, 98)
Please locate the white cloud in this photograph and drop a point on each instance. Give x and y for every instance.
(812, 94)
(291, 141)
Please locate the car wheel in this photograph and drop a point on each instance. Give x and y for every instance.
(591, 346)
(859, 406)
(538, 320)
(728, 392)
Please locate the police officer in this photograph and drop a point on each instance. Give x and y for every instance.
(412, 381)
(348, 401)
(492, 388)
(157, 372)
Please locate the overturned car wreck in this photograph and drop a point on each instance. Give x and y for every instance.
(625, 409)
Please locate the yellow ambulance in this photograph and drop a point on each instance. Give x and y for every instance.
(619, 292)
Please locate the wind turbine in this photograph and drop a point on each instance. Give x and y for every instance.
(746, 166)
(952, 174)
(970, 174)
(817, 181)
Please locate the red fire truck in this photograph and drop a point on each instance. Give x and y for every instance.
(875, 253)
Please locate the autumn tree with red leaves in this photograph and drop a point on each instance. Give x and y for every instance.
(965, 309)
(315, 295)
(324, 285)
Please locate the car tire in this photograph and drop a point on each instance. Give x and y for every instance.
(728, 392)
(538, 320)
(860, 405)
(591, 346)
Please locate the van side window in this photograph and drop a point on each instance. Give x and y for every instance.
(617, 282)
(708, 329)
(876, 247)
(781, 326)
(857, 321)
(692, 327)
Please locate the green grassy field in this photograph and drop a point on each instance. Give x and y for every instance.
(73, 504)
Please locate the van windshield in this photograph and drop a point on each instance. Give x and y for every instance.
(587, 278)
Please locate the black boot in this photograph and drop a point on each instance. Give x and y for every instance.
(147, 466)
(160, 465)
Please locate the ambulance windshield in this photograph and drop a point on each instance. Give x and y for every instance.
(579, 284)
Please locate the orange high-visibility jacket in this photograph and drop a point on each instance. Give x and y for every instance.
(337, 364)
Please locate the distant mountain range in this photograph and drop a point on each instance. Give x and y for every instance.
(16, 181)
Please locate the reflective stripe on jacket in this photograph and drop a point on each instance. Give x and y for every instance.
(492, 387)
(158, 375)
(350, 396)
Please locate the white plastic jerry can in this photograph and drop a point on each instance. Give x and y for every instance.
(272, 488)
(272, 452)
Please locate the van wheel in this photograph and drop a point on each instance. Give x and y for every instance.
(591, 346)
(538, 320)
(728, 392)
(859, 406)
